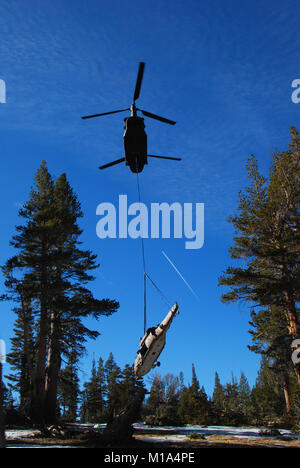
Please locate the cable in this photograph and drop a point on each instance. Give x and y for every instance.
(159, 291)
(143, 257)
(144, 263)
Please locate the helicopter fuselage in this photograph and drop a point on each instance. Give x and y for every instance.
(135, 143)
(152, 344)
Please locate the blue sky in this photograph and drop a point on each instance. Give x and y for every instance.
(223, 71)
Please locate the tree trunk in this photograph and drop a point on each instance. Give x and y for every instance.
(286, 390)
(38, 384)
(2, 426)
(26, 369)
(120, 429)
(292, 318)
(293, 326)
(52, 371)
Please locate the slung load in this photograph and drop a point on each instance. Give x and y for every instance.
(152, 344)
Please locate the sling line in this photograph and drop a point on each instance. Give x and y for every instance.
(143, 258)
(144, 267)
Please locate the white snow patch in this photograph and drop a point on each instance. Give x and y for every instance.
(240, 432)
(166, 438)
(165, 433)
(20, 433)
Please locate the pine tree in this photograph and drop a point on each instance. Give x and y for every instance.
(93, 398)
(244, 395)
(163, 402)
(231, 393)
(173, 390)
(194, 407)
(2, 426)
(295, 406)
(113, 397)
(268, 238)
(109, 391)
(128, 385)
(155, 399)
(270, 337)
(267, 396)
(218, 394)
(21, 357)
(33, 241)
(71, 300)
(68, 389)
(181, 382)
(101, 389)
(54, 272)
(195, 386)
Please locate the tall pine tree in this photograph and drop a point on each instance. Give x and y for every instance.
(2, 426)
(71, 300)
(267, 238)
(52, 272)
(93, 398)
(30, 271)
(22, 354)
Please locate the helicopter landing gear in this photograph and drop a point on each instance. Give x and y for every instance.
(157, 364)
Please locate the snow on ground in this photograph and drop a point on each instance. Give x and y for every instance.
(41, 446)
(166, 438)
(240, 432)
(179, 432)
(20, 433)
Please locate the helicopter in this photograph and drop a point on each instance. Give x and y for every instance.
(152, 344)
(135, 137)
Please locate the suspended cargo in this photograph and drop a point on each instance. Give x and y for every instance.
(152, 344)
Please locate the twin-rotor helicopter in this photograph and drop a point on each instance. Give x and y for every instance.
(135, 137)
(136, 155)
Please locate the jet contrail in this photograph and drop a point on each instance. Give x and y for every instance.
(178, 272)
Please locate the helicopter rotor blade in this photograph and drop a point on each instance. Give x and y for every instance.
(163, 157)
(104, 113)
(157, 117)
(118, 161)
(139, 81)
